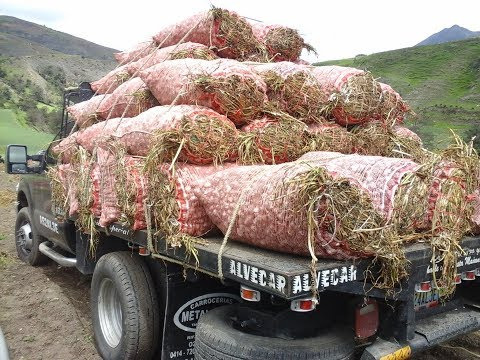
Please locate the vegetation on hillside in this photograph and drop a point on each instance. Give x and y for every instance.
(37, 63)
(441, 83)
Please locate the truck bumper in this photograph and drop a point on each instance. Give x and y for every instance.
(428, 333)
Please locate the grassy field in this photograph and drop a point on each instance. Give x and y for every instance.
(440, 82)
(12, 132)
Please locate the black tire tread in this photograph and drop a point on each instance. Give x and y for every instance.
(35, 257)
(142, 316)
(216, 340)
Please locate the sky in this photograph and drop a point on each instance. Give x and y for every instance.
(337, 29)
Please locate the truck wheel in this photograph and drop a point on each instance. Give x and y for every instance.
(217, 337)
(124, 308)
(27, 241)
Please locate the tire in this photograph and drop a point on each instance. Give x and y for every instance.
(217, 339)
(27, 241)
(126, 318)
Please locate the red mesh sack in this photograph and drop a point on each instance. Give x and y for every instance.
(70, 176)
(133, 204)
(476, 213)
(96, 134)
(205, 135)
(107, 164)
(393, 107)
(226, 86)
(108, 83)
(62, 185)
(282, 43)
(402, 131)
(84, 113)
(226, 32)
(128, 100)
(137, 52)
(354, 94)
(177, 208)
(267, 215)
(96, 207)
(67, 148)
(294, 90)
(180, 51)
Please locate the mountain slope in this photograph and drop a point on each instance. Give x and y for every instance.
(37, 63)
(51, 39)
(441, 83)
(454, 33)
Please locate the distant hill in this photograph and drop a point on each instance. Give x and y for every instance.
(440, 82)
(37, 63)
(454, 33)
(50, 39)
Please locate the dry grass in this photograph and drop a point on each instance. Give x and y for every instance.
(7, 197)
(360, 97)
(237, 98)
(85, 221)
(279, 138)
(332, 138)
(285, 44)
(203, 54)
(346, 212)
(201, 139)
(238, 35)
(299, 95)
(375, 138)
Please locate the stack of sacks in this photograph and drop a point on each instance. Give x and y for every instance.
(341, 193)
(198, 134)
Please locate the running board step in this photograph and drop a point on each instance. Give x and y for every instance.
(60, 259)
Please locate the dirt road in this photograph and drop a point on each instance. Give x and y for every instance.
(44, 312)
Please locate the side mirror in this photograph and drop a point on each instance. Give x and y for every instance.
(16, 159)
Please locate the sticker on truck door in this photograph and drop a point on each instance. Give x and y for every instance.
(187, 315)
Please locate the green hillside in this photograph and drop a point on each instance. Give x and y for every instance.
(12, 132)
(37, 63)
(440, 82)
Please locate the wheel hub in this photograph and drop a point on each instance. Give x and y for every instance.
(110, 312)
(25, 236)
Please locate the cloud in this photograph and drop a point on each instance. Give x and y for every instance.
(38, 15)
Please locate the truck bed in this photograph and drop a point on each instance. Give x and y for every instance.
(285, 275)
